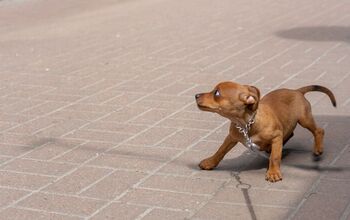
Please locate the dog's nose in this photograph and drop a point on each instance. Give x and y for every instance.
(197, 96)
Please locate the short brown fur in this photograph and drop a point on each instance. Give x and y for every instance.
(277, 115)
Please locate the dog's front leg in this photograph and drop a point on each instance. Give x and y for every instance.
(273, 174)
(211, 162)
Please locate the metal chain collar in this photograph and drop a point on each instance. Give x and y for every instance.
(248, 141)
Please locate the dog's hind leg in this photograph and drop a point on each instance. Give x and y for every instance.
(307, 121)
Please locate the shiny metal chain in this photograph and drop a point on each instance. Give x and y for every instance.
(248, 141)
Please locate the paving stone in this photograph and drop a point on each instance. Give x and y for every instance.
(91, 108)
(24, 140)
(116, 127)
(209, 146)
(34, 166)
(164, 199)
(113, 185)
(101, 97)
(94, 105)
(13, 150)
(63, 204)
(331, 206)
(124, 98)
(9, 196)
(118, 210)
(138, 86)
(80, 115)
(6, 126)
(152, 136)
(78, 180)
(44, 108)
(198, 115)
(183, 139)
(35, 126)
(259, 197)
(150, 153)
(58, 97)
(183, 184)
(3, 159)
(170, 98)
(19, 213)
(167, 105)
(52, 150)
(158, 214)
(151, 117)
(218, 135)
(20, 106)
(62, 128)
(84, 152)
(124, 162)
(125, 114)
(185, 164)
(190, 124)
(230, 211)
(175, 89)
(336, 188)
(84, 134)
(23, 180)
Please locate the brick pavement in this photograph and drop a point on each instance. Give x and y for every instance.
(98, 119)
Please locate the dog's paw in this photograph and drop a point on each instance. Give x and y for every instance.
(318, 152)
(273, 175)
(208, 164)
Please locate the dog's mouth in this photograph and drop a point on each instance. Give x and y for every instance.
(204, 108)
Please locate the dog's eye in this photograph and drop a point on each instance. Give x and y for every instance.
(217, 93)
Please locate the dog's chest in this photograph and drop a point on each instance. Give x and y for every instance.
(263, 143)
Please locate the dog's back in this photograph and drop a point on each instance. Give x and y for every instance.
(290, 106)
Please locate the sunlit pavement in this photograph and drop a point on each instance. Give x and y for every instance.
(98, 119)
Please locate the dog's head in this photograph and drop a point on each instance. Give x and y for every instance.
(229, 99)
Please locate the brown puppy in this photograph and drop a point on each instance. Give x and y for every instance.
(276, 116)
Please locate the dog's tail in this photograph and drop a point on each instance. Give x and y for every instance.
(319, 89)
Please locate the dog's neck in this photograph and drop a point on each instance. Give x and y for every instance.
(243, 121)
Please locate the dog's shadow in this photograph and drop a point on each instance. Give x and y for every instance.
(244, 162)
(291, 155)
(296, 151)
(317, 33)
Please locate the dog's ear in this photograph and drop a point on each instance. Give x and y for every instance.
(252, 98)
